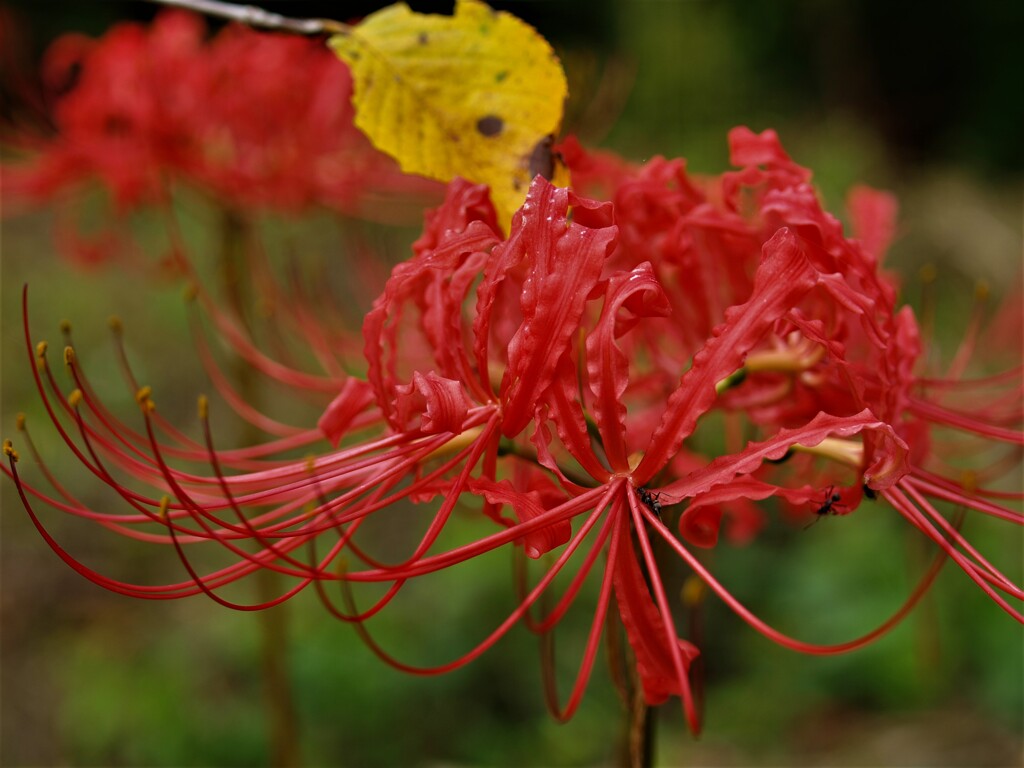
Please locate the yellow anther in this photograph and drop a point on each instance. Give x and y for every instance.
(165, 503)
(69, 355)
(41, 348)
(9, 450)
(204, 408)
(20, 421)
(848, 452)
(75, 398)
(311, 464)
(982, 290)
(693, 592)
(115, 324)
(65, 326)
(457, 443)
(928, 273)
(190, 292)
(969, 480)
(144, 397)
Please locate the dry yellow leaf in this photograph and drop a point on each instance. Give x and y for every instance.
(478, 94)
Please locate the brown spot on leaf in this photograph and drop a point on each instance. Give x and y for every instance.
(490, 125)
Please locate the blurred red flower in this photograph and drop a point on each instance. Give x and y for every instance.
(260, 121)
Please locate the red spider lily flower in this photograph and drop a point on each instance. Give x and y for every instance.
(261, 121)
(562, 378)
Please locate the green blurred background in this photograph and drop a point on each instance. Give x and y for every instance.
(924, 100)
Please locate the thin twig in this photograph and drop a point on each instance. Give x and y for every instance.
(257, 17)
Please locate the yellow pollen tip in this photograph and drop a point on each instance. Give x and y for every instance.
(69, 355)
(969, 480)
(20, 422)
(75, 398)
(115, 324)
(144, 397)
(65, 326)
(41, 348)
(311, 464)
(204, 407)
(694, 590)
(9, 450)
(165, 503)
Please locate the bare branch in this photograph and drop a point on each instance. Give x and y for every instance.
(257, 17)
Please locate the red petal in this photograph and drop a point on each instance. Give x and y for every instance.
(435, 282)
(563, 261)
(749, 148)
(607, 366)
(431, 404)
(526, 507)
(887, 468)
(699, 524)
(355, 395)
(645, 630)
(873, 216)
(464, 203)
(562, 400)
(782, 279)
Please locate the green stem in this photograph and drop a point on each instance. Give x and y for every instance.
(273, 622)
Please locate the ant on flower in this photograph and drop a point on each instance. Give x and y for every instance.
(829, 506)
(650, 500)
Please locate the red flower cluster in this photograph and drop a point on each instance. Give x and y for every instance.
(259, 120)
(571, 382)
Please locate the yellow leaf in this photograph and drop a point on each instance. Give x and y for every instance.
(478, 94)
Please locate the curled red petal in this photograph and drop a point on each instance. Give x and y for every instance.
(464, 203)
(527, 506)
(701, 521)
(355, 395)
(783, 277)
(700, 525)
(639, 292)
(457, 233)
(886, 469)
(749, 148)
(563, 259)
(431, 404)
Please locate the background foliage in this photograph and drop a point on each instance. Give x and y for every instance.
(923, 102)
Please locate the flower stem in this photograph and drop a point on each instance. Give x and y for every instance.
(273, 622)
(641, 731)
(257, 17)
